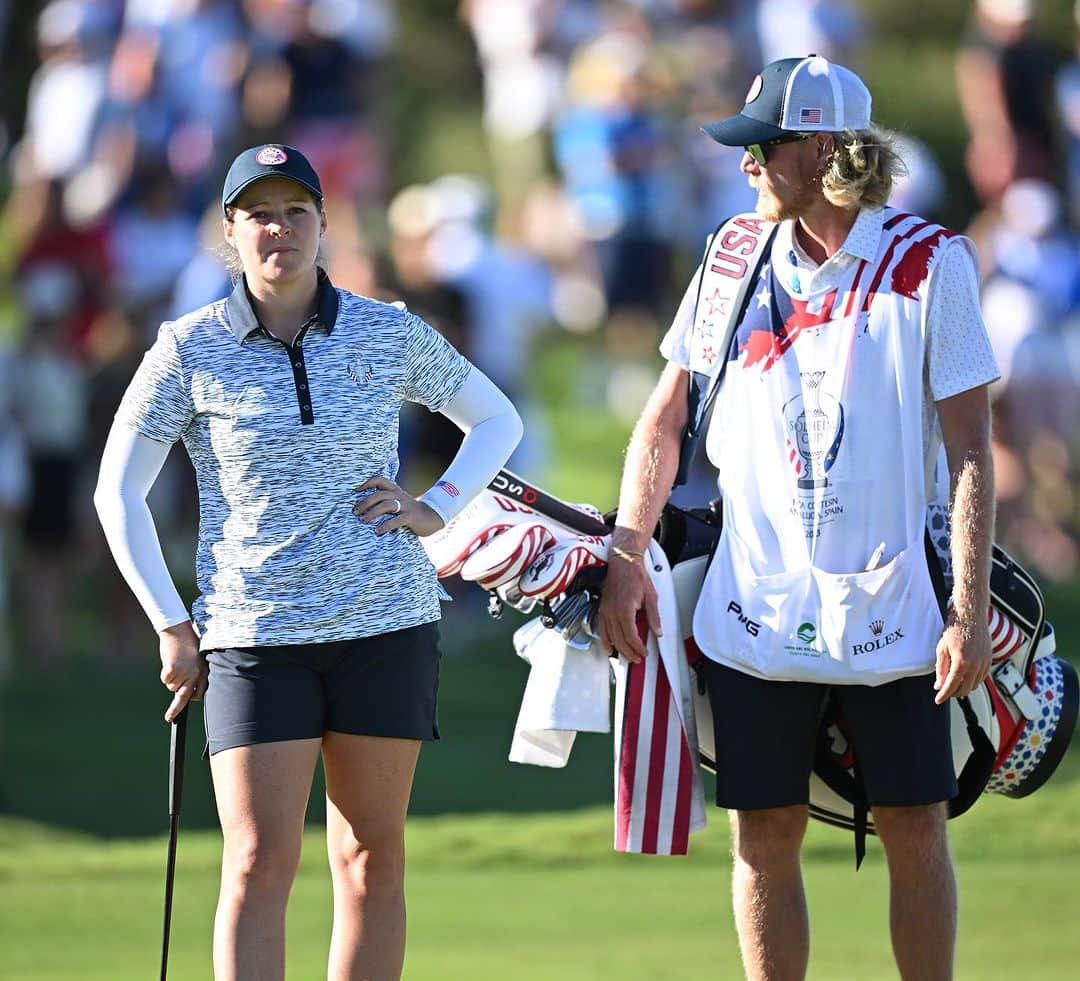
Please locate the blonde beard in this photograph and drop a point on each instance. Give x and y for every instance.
(771, 208)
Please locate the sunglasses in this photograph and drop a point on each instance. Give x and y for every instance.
(760, 151)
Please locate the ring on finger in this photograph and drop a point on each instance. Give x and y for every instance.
(397, 507)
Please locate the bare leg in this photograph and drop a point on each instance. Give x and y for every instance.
(368, 784)
(922, 890)
(262, 793)
(767, 893)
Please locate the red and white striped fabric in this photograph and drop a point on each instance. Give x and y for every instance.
(659, 799)
(1006, 637)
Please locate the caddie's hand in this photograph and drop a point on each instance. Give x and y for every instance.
(627, 592)
(183, 668)
(397, 508)
(963, 658)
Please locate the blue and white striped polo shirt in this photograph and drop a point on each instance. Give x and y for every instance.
(279, 436)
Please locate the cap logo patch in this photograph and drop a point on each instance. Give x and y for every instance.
(755, 89)
(810, 117)
(271, 156)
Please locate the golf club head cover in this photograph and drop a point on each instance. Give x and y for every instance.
(485, 517)
(507, 555)
(556, 568)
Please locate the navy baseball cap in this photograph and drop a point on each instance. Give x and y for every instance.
(796, 95)
(269, 160)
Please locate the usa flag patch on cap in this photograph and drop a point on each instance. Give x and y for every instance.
(810, 116)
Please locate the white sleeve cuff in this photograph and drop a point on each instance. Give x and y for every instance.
(492, 429)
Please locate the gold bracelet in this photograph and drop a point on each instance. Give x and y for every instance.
(625, 553)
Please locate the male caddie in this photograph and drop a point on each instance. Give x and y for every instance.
(859, 351)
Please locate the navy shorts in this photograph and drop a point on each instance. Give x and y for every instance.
(766, 735)
(386, 685)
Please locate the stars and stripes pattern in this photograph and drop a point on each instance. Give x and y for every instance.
(778, 320)
(659, 797)
(655, 770)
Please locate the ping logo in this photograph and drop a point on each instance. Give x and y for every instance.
(752, 626)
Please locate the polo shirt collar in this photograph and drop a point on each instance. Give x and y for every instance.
(862, 241)
(241, 314)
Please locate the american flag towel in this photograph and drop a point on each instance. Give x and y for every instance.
(659, 798)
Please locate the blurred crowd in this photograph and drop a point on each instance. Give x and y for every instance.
(594, 210)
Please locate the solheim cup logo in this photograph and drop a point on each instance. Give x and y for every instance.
(815, 423)
(271, 156)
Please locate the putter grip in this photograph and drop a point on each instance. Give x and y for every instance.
(177, 744)
(518, 489)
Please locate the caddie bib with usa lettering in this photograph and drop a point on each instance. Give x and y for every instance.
(817, 435)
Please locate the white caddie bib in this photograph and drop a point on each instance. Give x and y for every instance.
(820, 573)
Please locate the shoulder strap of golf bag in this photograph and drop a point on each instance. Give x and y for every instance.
(701, 394)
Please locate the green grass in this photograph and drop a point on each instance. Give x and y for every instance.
(511, 870)
(540, 897)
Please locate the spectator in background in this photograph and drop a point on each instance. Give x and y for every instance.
(205, 276)
(1032, 283)
(523, 47)
(14, 489)
(317, 62)
(49, 235)
(920, 187)
(153, 239)
(613, 150)
(508, 296)
(1068, 110)
(69, 89)
(791, 28)
(49, 395)
(407, 275)
(1005, 77)
(200, 55)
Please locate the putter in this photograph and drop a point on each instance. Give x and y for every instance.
(177, 742)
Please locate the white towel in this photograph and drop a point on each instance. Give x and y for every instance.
(567, 693)
(659, 799)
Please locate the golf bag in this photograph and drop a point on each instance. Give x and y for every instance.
(1008, 736)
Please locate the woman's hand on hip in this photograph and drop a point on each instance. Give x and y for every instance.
(398, 508)
(183, 668)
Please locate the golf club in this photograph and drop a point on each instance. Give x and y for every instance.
(177, 742)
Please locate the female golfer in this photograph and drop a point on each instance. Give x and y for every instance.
(315, 627)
